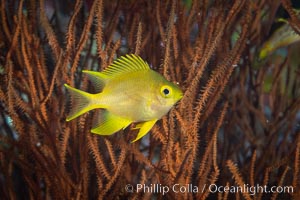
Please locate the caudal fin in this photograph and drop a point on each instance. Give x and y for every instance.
(81, 102)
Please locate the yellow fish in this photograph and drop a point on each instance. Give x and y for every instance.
(129, 92)
(282, 37)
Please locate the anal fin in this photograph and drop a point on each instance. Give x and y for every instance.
(144, 129)
(107, 124)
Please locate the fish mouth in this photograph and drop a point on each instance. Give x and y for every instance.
(180, 95)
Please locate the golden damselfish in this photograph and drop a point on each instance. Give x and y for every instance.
(129, 91)
(284, 36)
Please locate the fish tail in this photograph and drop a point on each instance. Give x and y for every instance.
(82, 102)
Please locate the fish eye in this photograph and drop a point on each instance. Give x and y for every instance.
(166, 91)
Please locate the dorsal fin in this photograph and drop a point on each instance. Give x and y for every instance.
(97, 78)
(126, 64)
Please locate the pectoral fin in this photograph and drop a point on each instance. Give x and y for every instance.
(107, 123)
(144, 129)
